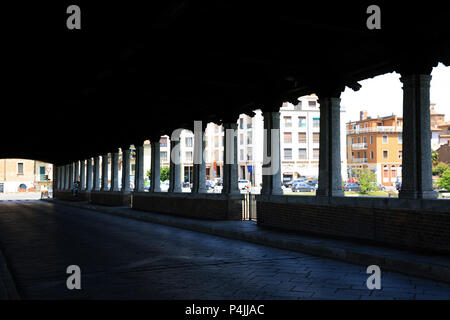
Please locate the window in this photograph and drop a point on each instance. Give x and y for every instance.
(359, 155)
(316, 122)
(216, 142)
(241, 139)
(249, 137)
(288, 154)
(385, 139)
(42, 173)
(188, 156)
(312, 103)
(353, 155)
(385, 171)
(287, 137)
(163, 155)
(241, 123)
(365, 155)
(298, 106)
(400, 154)
(188, 141)
(365, 139)
(241, 154)
(249, 123)
(302, 122)
(316, 137)
(301, 154)
(316, 154)
(249, 153)
(400, 139)
(353, 140)
(371, 139)
(301, 137)
(20, 168)
(359, 140)
(385, 154)
(287, 122)
(393, 172)
(371, 154)
(163, 142)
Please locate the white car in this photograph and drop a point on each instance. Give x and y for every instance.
(244, 185)
(164, 186)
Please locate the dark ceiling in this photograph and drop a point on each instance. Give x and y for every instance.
(134, 71)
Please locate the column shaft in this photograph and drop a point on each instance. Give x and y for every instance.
(330, 179)
(155, 169)
(199, 169)
(139, 170)
(83, 175)
(96, 173)
(105, 173)
(416, 164)
(175, 166)
(230, 160)
(126, 170)
(114, 172)
(89, 175)
(272, 160)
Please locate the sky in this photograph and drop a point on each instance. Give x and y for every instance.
(383, 95)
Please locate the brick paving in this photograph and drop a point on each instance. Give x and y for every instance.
(122, 258)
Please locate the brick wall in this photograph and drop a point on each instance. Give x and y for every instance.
(212, 207)
(418, 229)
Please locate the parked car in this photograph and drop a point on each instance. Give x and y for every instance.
(164, 186)
(352, 187)
(289, 184)
(313, 183)
(244, 185)
(209, 185)
(217, 182)
(302, 187)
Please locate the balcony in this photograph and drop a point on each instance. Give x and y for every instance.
(359, 160)
(375, 130)
(359, 146)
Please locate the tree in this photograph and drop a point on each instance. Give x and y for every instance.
(367, 180)
(165, 173)
(434, 156)
(439, 169)
(444, 181)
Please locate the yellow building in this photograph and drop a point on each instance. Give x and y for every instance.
(376, 144)
(22, 175)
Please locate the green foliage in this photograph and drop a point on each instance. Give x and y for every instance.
(165, 173)
(444, 182)
(434, 156)
(439, 169)
(367, 180)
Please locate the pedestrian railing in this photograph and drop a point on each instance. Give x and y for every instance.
(249, 207)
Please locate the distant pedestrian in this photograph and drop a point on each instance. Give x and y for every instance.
(75, 188)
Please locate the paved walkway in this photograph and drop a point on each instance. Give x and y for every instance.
(124, 258)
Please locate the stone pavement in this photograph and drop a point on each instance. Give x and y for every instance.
(432, 267)
(123, 258)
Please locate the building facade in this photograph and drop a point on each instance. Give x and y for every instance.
(23, 175)
(376, 144)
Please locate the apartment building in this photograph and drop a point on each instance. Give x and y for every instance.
(440, 129)
(300, 138)
(376, 144)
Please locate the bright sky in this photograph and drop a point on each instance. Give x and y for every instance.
(383, 95)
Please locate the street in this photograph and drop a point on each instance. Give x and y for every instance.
(123, 258)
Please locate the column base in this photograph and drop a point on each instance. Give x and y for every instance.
(411, 194)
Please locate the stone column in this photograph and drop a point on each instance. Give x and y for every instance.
(416, 168)
(114, 172)
(230, 159)
(199, 169)
(89, 175)
(155, 167)
(271, 157)
(105, 173)
(330, 179)
(175, 165)
(58, 178)
(77, 171)
(96, 179)
(139, 170)
(83, 175)
(71, 167)
(126, 170)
